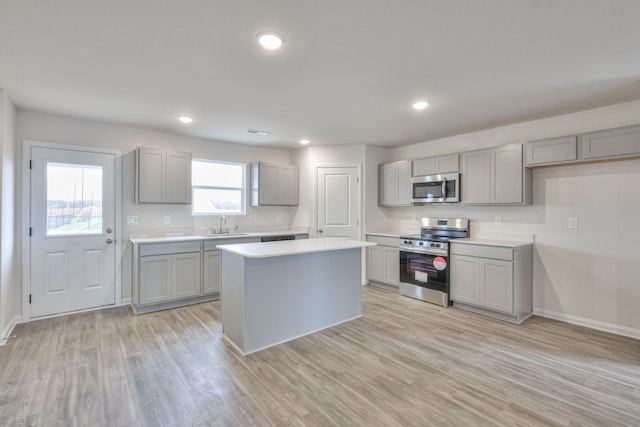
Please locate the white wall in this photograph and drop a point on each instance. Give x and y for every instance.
(66, 130)
(10, 307)
(590, 275)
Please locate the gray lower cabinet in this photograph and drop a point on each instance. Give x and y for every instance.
(493, 280)
(383, 261)
(495, 176)
(173, 274)
(169, 272)
(212, 271)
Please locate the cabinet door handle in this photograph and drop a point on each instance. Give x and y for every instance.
(320, 231)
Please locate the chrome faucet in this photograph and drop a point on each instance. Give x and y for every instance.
(222, 218)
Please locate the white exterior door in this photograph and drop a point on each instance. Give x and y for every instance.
(338, 204)
(72, 228)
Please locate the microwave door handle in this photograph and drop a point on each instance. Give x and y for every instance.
(444, 188)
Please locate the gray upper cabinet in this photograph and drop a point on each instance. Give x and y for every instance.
(394, 187)
(553, 150)
(476, 177)
(436, 165)
(495, 176)
(611, 143)
(162, 176)
(274, 184)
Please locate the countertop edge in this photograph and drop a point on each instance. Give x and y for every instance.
(383, 234)
(491, 242)
(197, 237)
(290, 247)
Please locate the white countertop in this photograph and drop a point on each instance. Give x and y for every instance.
(292, 247)
(490, 242)
(199, 237)
(384, 234)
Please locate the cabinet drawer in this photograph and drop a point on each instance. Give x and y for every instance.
(169, 248)
(482, 251)
(384, 240)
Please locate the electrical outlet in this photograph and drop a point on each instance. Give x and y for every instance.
(253, 218)
(414, 218)
(278, 219)
(132, 220)
(497, 220)
(167, 219)
(572, 223)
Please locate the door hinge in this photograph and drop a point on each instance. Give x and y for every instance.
(30, 164)
(30, 231)
(29, 298)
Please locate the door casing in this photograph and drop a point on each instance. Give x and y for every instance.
(25, 218)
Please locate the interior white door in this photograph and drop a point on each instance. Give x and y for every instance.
(338, 202)
(72, 227)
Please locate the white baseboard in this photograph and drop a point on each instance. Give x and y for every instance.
(6, 333)
(589, 323)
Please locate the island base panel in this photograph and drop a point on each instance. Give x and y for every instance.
(289, 296)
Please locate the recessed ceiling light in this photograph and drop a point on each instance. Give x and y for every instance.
(304, 141)
(270, 40)
(185, 119)
(420, 105)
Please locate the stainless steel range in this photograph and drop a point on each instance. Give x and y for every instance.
(424, 259)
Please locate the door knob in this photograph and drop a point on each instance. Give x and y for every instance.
(109, 230)
(320, 231)
(109, 241)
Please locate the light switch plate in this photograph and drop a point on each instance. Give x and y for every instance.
(132, 220)
(572, 223)
(167, 219)
(497, 220)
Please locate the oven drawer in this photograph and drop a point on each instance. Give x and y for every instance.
(482, 251)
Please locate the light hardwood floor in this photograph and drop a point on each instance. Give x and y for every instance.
(404, 363)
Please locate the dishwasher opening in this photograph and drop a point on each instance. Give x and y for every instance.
(277, 238)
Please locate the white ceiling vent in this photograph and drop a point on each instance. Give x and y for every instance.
(258, 132)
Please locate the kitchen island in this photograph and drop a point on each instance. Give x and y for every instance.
(277, 291)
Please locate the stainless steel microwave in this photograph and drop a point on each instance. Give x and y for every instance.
(443, 188)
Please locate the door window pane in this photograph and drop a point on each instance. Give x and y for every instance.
(74, 199)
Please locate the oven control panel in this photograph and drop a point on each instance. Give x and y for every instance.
(424, 246)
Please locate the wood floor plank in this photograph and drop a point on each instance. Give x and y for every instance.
(404, 363)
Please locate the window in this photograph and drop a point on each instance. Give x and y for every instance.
(218, 187)
(74, 199)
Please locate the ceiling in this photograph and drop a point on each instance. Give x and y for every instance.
(347, 73)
